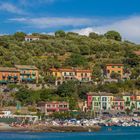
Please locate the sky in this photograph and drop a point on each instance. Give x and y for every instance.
(81, 16)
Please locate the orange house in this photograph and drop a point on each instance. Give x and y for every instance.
(9, 75)
(114, 68)
(83, 75)
(28, 73)
(64, 74)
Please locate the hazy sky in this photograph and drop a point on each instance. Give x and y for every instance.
(82, 16)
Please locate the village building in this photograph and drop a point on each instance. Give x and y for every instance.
(99, 101)
(114, 68)
(118, 104)
(64, 74)
(54, 106)
(30, 38)
(28, 73)
(9, 75)
(107, 102)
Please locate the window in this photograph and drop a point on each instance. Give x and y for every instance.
(48, 106)
(113, 66)
(119, 71)
(65, 106)
(119, 66)
(65, 73)
(104, 99)
(60, 106)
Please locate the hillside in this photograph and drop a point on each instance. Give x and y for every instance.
(66, 50)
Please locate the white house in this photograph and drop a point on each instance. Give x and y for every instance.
(31, 38)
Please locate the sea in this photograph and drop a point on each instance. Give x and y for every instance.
(106, 133)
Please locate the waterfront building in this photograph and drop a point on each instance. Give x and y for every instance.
(28, 73)
(107, 102)
(54, 106)
(64, 74)
(114, 68)
(9, 75)
(118, 104)
(129, 101)
(30, 38)
(99, 101)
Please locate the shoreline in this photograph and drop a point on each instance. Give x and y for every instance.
(7, 128)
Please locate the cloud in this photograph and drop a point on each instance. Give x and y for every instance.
(36, 2)
(52, 22)
(8, 7)
(129, 28)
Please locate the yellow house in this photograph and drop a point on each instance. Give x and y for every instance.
(114, 68)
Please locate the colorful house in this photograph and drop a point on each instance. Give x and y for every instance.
(54, 106)
(114, 68)
(62, 75)
(83, 75)
(118, 104)
(99, 101)
(9, 75)
(28, 73)
(106, 101)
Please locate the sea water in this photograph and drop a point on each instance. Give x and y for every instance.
(106, 133)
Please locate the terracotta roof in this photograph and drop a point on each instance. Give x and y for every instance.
(118, 99)
(88, 71)
(56, 102)
(67, 70)
(8, 69)
(70, 70)
(31, 36)
(137, 52)
(114, 64)
(30, 67)
(54, 70)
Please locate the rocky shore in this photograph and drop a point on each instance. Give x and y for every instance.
(7, 128)
(67, 129)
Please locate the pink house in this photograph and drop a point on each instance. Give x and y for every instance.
(118, 104)
(89, 100)
(54, 106)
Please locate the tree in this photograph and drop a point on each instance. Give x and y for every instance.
(76, 60)
(94, 35)
(67, 89)
(85, 50)
(60, 33)
(19, 36)
(113, 35)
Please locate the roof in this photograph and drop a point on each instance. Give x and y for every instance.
(88, 71)
(100, 94)
(118, 99)
(30, 67)
(137, 52)
(31, 36)
(70, 70)
(9, 69)
(56, 102)
(114, 64)
(66, 70)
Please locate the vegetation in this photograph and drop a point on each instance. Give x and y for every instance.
(69, 50)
